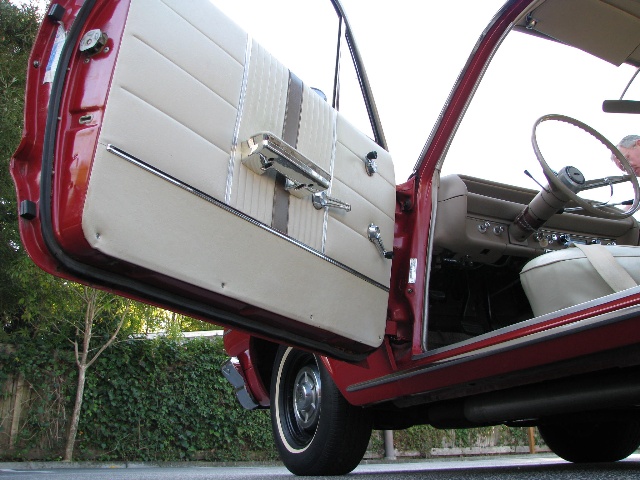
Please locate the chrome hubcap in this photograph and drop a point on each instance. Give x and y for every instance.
(306, 397)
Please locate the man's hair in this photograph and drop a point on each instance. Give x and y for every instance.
(629, 141)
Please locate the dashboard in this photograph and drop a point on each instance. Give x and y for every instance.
(473, 218)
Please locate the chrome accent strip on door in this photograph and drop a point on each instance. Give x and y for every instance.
(332, 164)
(236, 130)
(208, 198)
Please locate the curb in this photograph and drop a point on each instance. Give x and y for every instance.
(52, 465)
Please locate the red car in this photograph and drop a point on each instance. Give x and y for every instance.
(167, 156)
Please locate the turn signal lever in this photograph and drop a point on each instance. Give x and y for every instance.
(545, 204)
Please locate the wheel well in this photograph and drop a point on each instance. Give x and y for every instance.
(263, 354)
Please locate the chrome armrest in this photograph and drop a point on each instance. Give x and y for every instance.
(264, 151)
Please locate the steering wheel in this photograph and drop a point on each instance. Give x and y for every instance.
(564, 189)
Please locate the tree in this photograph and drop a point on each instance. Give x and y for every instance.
(34, 304)
(96, 303)
(18, 26)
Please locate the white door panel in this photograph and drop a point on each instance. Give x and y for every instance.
(169, 191)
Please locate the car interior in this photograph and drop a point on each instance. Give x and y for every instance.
(490, 270)
(475, 286)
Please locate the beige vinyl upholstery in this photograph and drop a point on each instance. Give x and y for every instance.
(566, 278)
(263, 110)
(217, 88)
(613, 32)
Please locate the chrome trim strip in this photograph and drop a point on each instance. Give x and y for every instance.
(334, 142)
(236, 130)
(558, 331)
(208, 198)
(561, 329)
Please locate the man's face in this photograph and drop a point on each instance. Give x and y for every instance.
(632, 155)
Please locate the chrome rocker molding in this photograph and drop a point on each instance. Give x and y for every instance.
(555, 332)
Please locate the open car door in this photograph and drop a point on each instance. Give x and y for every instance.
(169, 157)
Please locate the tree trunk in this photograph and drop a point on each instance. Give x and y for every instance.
(94, 305)
(75, 416)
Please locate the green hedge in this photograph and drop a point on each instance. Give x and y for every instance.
(163, 400)
(167, 400)
(144, 400)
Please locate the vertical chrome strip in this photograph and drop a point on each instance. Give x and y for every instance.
(236, 130)
(334, 141)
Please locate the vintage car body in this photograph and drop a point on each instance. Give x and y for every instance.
(231, 191)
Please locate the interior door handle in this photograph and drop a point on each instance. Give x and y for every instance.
(264, 151)
(370, 164)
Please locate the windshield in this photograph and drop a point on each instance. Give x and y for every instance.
(530, 77)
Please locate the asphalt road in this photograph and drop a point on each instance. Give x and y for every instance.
(538, 467)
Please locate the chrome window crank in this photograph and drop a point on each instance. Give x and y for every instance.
(376, 239)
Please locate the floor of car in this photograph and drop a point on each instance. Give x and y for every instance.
(467, 300)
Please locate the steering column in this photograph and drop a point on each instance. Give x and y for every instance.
(545, 204)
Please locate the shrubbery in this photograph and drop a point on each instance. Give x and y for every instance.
(144, 400)
(166, 400)
(163, 400)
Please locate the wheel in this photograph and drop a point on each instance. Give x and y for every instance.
(316, 431)
(571, 193)
(603, 441)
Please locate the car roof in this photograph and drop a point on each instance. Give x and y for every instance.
(607, 29)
